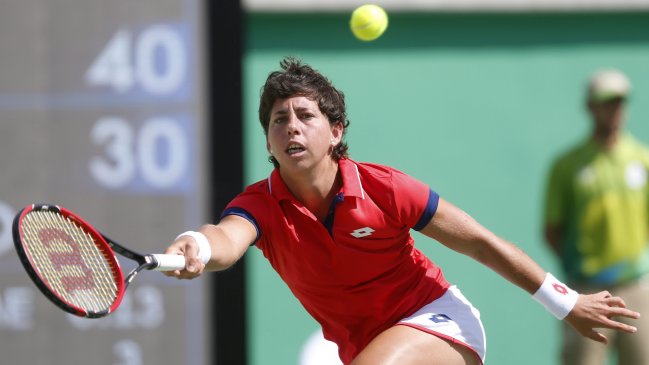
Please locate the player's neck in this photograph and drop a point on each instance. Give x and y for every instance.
(316, 187)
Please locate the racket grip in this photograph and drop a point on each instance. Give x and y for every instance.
(169, 262)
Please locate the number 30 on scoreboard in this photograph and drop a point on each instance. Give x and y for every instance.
(153, 154)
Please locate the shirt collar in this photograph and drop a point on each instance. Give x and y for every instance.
(348, 171)
(351, 178)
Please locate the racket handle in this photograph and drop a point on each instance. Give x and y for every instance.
(169, 262)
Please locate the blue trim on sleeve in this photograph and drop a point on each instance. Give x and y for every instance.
(246, 215)
(429, 212)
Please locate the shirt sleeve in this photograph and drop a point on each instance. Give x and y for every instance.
(415, 201)
(247, 205)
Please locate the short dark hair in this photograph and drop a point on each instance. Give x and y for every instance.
(298, 79)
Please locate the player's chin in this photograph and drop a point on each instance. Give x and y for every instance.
(296, 157)
(296, 163)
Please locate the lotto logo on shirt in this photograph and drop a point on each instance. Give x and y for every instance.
(362, 232)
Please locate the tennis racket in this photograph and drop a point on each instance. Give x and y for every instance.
(74, 265)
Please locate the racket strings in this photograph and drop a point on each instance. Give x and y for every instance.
(90, 288)
(95, 258)
(70, 261)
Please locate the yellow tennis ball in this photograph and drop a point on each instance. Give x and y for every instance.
(368, 22)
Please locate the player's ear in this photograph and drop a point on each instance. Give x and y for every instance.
(268, 146)
(336, 133)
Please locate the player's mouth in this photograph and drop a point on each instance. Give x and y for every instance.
(295, 149)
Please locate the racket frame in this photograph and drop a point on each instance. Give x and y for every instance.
(108, 246)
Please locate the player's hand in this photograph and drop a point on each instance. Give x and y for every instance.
(599, 311)
(186, 246)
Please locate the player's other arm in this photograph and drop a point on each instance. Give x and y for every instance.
(458, 231)
(228, 240)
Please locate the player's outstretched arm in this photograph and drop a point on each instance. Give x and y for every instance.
(228, 240)
(457, 230)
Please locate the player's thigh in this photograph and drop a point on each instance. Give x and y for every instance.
(404, 345)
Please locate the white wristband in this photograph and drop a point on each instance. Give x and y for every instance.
(204, 249)
(556, 296)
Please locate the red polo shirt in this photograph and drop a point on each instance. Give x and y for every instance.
(358, 273)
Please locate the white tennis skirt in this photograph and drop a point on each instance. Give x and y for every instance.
(453, 318)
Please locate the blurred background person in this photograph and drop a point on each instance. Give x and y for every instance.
(596, 220)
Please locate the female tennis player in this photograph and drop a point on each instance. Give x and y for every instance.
(337, 231)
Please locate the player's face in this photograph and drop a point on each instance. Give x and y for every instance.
(299, 134)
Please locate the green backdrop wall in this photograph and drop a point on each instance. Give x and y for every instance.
(476, 105)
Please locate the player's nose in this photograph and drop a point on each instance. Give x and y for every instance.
(292, 124)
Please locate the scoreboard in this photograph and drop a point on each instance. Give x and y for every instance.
(102, 111)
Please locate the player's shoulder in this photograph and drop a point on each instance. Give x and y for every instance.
(259, 189)
(384, 176)
(376, 170)
(255, 200)
(259, 186)
(378, 176)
